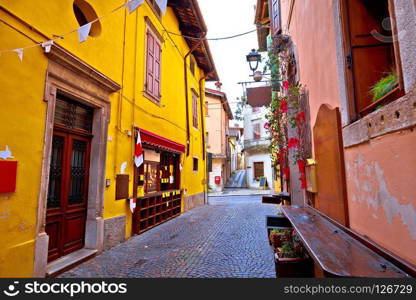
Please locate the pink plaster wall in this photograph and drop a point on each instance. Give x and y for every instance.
(382, 192)
(380, 174)
(216, 123)
(313, 31)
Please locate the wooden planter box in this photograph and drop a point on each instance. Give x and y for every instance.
(293, 267)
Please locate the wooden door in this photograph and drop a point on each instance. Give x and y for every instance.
(67, 194)
(331, 198)
(368, 59)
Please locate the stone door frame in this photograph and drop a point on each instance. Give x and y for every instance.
(70, 76)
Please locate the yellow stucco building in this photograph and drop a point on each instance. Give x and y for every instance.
(70, 116)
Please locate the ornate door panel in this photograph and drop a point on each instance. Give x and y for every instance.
(67, 194)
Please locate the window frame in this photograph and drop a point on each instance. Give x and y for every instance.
(254, 131)
(158, 41)
(275, 30)
(195, 121)
(195, 159)
(353, 113)
(255, 169)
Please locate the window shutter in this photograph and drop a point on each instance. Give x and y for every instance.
(150, 63)
(156, 85)
(256, 131)
(275, 17)
(195, 110)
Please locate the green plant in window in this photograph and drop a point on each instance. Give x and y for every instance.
(384, 86)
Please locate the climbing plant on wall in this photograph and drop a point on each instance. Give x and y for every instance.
(285, 110)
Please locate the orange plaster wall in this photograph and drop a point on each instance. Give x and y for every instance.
(382, 191)
(313, 31)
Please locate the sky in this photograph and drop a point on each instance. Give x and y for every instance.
(226, 18)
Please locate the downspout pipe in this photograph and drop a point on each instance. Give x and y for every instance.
(185, 68)
(201, 91)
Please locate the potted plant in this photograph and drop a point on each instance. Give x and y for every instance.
(384, 86)
(277, 222)
(279, 236)
(291, 259)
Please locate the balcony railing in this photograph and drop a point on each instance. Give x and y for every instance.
(256, 143)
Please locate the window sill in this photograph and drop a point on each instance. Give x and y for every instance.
(152, 98)
(395, 116)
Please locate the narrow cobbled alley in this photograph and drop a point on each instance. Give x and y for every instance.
(225, 239)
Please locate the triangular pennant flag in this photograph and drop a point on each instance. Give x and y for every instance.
(138, 152)
(132, 5)
(47, 46)
(132, 205)
(83, 32)
(162, 5)
(19, 53)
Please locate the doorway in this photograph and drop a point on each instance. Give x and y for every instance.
(67, 198)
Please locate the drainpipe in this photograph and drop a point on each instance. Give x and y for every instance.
(185, 68)
(201, 90)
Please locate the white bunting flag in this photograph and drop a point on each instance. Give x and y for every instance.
(47, 46)
(83, 32)
(19, 53)
(132, 205)
(162, 5)
(132, 5)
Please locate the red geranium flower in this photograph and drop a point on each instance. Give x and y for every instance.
(293, 143)
(286, 173)
(283, 106)
(301, 166)
(300, 118)
(286, 85)
(302, 179)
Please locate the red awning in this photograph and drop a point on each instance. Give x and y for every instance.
(149, 138)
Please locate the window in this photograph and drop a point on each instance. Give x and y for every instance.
(195, 110)
(151, 175)
(256, 109)
(153, 60)
(371, 55)
(192, 64)
(195, 164)
(85, 13)
(275, 17)
(206, 109)
(258, 169)
(256, 131)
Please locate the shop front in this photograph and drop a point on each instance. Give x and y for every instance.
(157, 182)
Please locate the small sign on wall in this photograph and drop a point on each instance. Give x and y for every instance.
(8, 172)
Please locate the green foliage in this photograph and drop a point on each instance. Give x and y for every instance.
(384, 86)
(288, 250)
(240, 108)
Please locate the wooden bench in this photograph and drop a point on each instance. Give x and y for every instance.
(279, 198)
(336, 253)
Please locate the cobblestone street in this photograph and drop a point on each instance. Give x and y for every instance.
(226, 238)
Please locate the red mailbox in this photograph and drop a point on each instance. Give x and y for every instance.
(217, 179)
(8, 170)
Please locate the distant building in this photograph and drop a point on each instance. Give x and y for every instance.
(256, 147)
(236, 147)
(218, 115)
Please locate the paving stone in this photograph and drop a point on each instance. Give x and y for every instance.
(224, 239)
